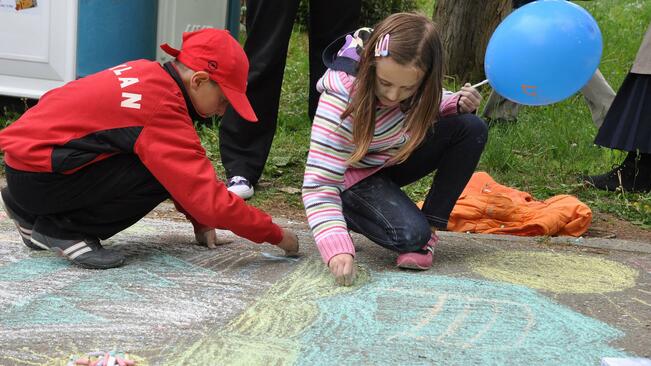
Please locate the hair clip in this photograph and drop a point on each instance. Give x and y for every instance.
(382, 46)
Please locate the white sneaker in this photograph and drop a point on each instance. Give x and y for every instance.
(241, 187)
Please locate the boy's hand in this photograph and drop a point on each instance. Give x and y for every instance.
(469, 100)
(209, 238)
(342, 267)
(289, 243)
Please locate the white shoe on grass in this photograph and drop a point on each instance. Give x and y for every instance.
(241, 187)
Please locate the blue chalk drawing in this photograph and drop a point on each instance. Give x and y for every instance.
(159, 262)
(47, 310)
(131, 283)
(400, 318)
(32, 268)
(112, 285)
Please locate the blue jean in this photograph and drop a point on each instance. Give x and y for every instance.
(377, 208)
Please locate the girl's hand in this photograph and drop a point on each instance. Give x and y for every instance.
(469, 100)
(342, 267)
(208, 237)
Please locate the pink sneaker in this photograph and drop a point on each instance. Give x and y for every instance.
(422, 259)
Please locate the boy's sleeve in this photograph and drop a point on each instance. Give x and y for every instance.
(196, 224)
(170, 148)
(323, 182)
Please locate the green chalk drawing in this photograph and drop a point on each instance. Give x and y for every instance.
(402, 318)
(32, 268)
(47, 310)
(267, 332)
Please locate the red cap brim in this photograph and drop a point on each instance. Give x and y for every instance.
(241, 104)
(170, 50)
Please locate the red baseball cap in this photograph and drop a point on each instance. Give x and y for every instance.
(216, 52)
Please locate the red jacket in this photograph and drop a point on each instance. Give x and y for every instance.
(135, 108)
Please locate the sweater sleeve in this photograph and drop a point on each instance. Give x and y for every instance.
(323, 182)
(170, 148)
(449, 104)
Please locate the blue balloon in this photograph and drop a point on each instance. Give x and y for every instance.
(543, 52)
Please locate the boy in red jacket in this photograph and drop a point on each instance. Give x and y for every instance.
(96, 155)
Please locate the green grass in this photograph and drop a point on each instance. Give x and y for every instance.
(549, 146)
(284, 170)
(542, 154)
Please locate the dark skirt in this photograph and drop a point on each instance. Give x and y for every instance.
(628, 123)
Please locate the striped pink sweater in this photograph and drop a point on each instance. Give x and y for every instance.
(327, 174)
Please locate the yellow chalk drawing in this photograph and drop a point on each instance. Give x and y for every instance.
(641, 301)
(555, 272)
(267, 332)
(30, 357)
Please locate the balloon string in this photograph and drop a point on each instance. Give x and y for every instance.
(480, 84)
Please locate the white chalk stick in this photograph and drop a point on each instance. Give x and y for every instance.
(480, 84)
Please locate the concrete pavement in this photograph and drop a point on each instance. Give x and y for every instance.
(489, 299)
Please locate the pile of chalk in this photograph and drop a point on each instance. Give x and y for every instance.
(103, 359)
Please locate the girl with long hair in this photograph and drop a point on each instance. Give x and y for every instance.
(383, 121)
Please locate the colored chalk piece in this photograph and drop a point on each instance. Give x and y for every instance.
(278, 258)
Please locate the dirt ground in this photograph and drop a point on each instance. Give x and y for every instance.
(610, 227)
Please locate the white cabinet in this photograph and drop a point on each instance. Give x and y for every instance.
(37, 47)
(178, 16)
(57, 41)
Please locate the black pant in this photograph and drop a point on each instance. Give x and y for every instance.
(245, 146)
(377, 208)
(97, 201)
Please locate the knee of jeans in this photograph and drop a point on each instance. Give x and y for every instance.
(476, 127)
(414, 238)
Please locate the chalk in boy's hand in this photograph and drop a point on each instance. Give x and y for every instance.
(289, 243)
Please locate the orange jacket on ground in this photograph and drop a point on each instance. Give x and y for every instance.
(488, 207)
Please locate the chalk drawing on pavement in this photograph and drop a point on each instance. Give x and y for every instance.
(141, 307)
(555, 272)
(267, 332)
(162, 302)
(643, 264)
(307, 320)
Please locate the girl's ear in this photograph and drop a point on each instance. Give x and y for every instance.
(198, 78)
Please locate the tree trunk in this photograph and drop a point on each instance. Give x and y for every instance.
(466, 27)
